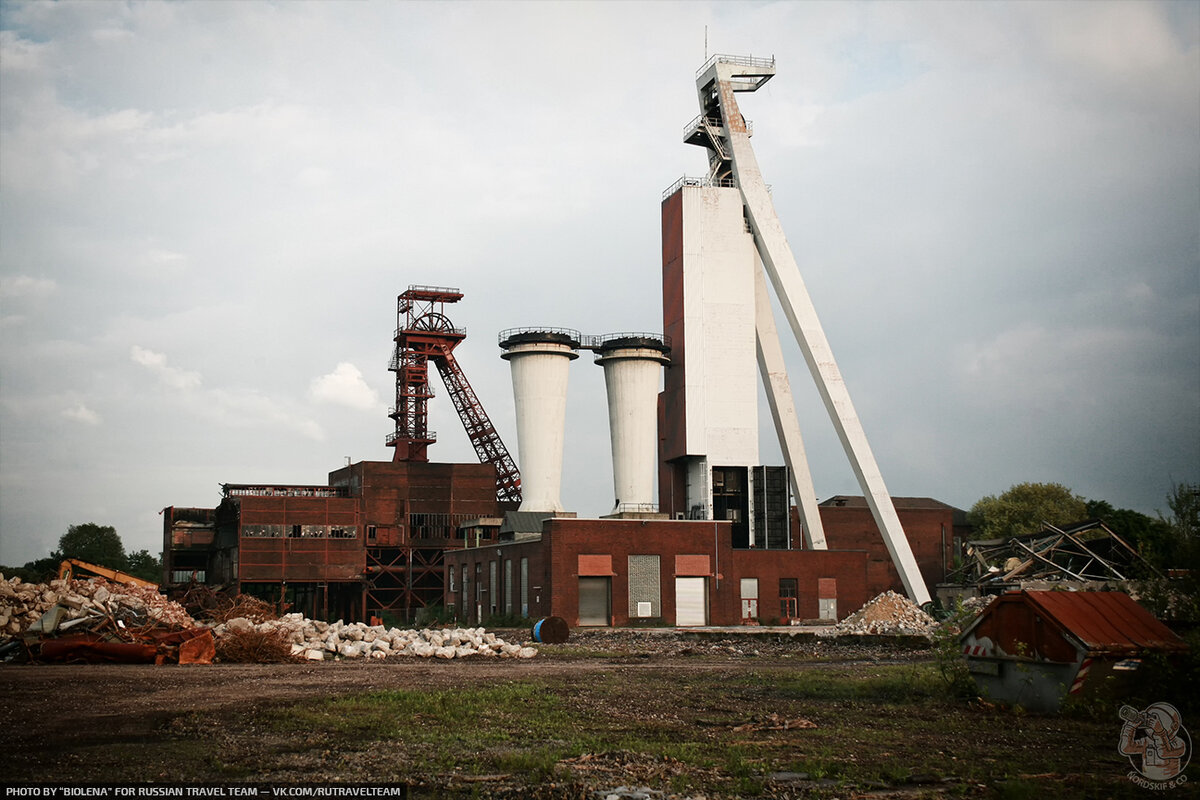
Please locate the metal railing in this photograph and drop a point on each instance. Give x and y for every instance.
(741, 61)
(701, 120)
(689, 181)
(254, 490)
(530, 333)
(597, 341)
(637, 508)
(447, 331)
(430, 436)
(417, 287)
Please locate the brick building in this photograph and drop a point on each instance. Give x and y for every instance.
(935, 531)
(660, 571)
(367, 543)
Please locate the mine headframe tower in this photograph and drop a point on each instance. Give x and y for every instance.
(724, 132)
(424, 333)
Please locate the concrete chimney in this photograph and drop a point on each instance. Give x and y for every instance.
(632, 365)
(538, 359)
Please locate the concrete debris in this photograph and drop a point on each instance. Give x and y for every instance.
(93, 620)
(886, 614)
(629, 793)
(316, 640)
(22, 604)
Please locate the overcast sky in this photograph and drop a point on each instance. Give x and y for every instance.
(207, 210)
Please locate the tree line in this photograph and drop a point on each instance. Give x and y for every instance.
(95, 544)
(1167, 542)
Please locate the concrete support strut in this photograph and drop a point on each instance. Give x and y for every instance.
(719, 81)
(773, 371)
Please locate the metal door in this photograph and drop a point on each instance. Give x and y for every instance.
(594, 605)
(829, 609)
(749, 588)
(691, 606)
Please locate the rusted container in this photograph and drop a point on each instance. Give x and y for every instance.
(1034, 648)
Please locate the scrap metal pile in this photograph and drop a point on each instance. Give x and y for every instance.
(99, 621)
(1086, 552)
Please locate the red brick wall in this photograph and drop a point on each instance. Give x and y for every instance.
(671, 428)
(465, 605)
(848, 568)
(554, 564)
(853, 528)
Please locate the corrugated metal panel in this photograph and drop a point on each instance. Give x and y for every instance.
(1108, 622)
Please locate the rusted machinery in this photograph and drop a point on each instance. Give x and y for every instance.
(68, 567)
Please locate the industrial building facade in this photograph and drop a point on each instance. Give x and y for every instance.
(369, 542)
(616, 572)
(722, 545)
(601, 572)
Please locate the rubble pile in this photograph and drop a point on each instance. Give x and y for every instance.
(317, 640)
(22, 604)
(95, 620)
(886, 614)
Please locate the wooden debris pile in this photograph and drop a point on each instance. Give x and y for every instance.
(252, 646)
(205, 603)
(886, 614)
(317, 640)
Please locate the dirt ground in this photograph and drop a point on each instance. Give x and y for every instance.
(87, 724)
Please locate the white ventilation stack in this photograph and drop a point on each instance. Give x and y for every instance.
(632, 365)
(538, 358)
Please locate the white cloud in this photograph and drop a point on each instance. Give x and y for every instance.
(344, 386)
(26, 286)
(249, 409)
(173, 377)
(81, 413)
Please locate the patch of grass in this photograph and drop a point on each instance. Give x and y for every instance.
(682, 730)
(892, 683)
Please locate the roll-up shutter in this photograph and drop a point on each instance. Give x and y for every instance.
(594, 601)
(690, 606)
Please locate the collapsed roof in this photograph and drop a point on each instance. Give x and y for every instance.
(1084, 551)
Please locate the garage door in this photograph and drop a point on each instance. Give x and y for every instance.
(593, 601)
(691, 608)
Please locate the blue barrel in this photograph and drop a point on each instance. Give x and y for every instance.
(551, 630)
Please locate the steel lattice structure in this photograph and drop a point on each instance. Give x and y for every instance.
(424, 334)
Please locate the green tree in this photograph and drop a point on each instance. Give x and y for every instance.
(1023, 509)
(1177, 598)
(96, 544)
(1151, 537)
(145, 566)
(1184, 502)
